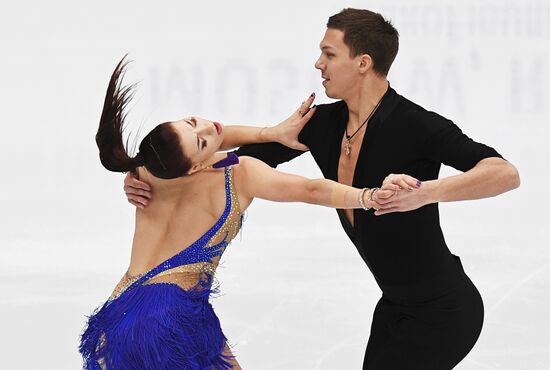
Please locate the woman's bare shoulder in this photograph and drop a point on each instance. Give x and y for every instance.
(243, 174)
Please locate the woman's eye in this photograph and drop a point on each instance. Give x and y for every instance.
(203, 144)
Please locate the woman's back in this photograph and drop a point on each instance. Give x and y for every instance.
(183, 211)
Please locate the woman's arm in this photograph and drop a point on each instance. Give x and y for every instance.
(260, 180)
(285, 133)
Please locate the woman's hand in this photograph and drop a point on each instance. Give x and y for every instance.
(137, 192)
(287, 132)
(408, 194)
(403, 181)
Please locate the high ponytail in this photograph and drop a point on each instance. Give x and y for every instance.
(112, 153)
(160, 150)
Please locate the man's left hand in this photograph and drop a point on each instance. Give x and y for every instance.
(409, 194)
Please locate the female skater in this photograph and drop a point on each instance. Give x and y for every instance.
(158, 316)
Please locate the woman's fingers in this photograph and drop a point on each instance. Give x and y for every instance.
(303, 120)
(390, 186)
(410, 181)
(308, 115)
(305, 106)
(299, 146)
(404, 181)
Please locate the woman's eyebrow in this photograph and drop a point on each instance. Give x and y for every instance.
(194, 120)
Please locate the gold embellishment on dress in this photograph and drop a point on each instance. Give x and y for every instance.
(195, 267)
(232, 223)
(124, 284)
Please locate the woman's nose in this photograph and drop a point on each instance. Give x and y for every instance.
(207, 127)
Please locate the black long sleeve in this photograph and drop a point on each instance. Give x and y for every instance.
(272, 154)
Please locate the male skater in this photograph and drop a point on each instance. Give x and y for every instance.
(430, 313)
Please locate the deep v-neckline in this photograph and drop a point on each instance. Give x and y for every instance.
(360, 155)
(389, 101)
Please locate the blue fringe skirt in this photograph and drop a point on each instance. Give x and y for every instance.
(155, 326)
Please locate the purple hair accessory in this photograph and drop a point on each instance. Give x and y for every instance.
(230, 160)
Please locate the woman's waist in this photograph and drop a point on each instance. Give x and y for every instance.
(186, 277)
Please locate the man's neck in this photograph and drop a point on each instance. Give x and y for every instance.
(364, 101)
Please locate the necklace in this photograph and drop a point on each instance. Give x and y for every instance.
(347, 147)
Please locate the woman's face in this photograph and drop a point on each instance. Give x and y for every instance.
(199, 138)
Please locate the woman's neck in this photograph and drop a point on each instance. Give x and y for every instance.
(168, 187)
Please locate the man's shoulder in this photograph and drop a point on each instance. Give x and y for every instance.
(330, 108)
(415, 113)
(325, 115)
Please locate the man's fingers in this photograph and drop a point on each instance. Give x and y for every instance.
(140, 185)
(136, 204)
(382, 201)
(382, 193)
(383, 211)
(135, 191)
(133, 182)
(128, 178)
(137, 200)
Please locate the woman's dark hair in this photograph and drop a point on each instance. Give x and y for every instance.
(160, 150)
(366, 32)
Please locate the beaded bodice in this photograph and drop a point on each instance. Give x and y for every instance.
(193, 267)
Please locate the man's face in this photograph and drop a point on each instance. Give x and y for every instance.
(339, 71)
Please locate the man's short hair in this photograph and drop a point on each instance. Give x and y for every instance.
(367, 32)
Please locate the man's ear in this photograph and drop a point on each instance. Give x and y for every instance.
(365, 63)
(196, 168)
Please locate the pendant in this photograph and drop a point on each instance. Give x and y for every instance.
(347, 148)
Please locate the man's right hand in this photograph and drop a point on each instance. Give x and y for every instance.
(137, 192)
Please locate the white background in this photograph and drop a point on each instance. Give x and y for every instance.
(296, 293)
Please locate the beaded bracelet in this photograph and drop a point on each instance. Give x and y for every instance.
(371, 194)
(361, 202)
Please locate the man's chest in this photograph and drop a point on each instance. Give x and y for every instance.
(348, 156)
